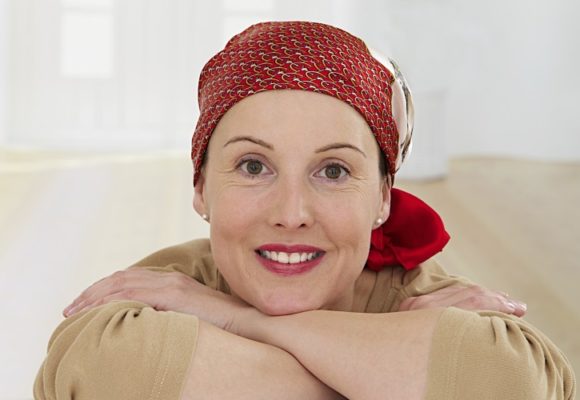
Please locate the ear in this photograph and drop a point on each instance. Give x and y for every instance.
(385, 206)
(199, 201)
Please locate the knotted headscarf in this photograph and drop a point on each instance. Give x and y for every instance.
(324, 59)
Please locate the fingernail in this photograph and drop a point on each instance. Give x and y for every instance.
(519, 304)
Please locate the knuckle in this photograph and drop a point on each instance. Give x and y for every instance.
(80, 298)
(180, 280)
(129, 293)
(506, 305)
(85, 294)
(119, 278)
(476, 301)
(477, 291)
(117, 274)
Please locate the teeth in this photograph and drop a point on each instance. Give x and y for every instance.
(283, 258)
(288, 258)
(294, 258)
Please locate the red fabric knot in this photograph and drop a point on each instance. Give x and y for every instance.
(412, 234)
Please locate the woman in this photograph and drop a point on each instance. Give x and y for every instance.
(300, 134)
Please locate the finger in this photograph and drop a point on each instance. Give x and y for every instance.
(141, 295)
(487, 303)
(83, 295)
(480, 296)
(78, 308)
(148, 287)
(474, 296)
(95, 287)
(431, 300)
(447, 297)
(116, 282)
(520, 307)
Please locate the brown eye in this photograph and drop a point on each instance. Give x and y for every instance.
(334, 171)
(254, 167)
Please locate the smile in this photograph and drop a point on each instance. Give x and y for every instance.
(289, 258)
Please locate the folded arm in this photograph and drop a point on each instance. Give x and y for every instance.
(426, 354)
(361, 356)
(465, 354)
(127, 350)
(227, 366)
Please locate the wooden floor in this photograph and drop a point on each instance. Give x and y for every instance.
(515, 226)
(68, 220)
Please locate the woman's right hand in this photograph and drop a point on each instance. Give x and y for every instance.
(164, 291)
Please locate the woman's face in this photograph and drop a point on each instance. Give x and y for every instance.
(292, 188)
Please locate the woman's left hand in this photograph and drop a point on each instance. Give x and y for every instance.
(473, 297)
(167, 291)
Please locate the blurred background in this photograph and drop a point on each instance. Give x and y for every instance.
(98, 103)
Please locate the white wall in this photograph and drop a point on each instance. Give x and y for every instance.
(507, 71)
(490, 78)
(144, 100)
(4, 30)
(530, 57)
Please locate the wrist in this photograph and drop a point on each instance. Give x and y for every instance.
(248, 322)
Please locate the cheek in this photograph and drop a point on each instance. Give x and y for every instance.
(234, 209)
(348, 225)
(235, 220)
(354, 211)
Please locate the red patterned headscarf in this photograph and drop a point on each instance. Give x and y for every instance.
(296, 55)
(324, 59)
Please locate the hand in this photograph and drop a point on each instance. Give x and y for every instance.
(164, 291)
(468, 298)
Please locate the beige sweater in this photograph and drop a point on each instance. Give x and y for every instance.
(128, 350)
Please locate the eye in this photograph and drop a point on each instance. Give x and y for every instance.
(334, 172)
(252, 167)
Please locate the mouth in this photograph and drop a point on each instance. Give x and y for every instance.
(289, 260)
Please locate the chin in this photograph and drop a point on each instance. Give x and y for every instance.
(279, 307)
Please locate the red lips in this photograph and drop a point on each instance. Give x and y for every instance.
(290, 248)
(284, 269)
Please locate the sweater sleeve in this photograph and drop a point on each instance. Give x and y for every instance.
(490, 355)
(478, 355)
(120, 350)
(127, 349)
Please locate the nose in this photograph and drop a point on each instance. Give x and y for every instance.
(292, 206)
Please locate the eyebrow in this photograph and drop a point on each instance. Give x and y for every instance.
(262, 143)
(340, 146)
(249, 139)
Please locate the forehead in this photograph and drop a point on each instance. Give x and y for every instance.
(297, 115)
